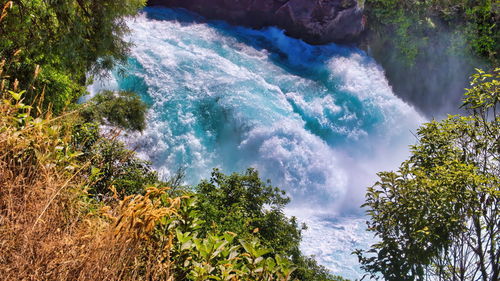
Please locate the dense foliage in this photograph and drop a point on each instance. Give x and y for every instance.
(244, 204)
(413, 25)
(61, 41)
(121, 109)
(438, 216)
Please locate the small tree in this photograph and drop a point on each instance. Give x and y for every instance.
(243, 203)
(438, 216)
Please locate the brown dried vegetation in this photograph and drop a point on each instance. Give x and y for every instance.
(50, 229)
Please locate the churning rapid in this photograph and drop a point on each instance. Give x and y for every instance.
(319, 121)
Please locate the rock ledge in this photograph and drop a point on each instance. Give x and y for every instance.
(314, 21)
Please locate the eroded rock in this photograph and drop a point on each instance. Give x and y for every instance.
(314, 21)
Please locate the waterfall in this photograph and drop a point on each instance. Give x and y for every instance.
(319, 121)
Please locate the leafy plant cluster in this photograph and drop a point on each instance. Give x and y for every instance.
(438, 216)
(221, 255)
(416, 24)
(62, 42)
(121, 109)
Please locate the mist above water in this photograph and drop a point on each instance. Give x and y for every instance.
(435, 81)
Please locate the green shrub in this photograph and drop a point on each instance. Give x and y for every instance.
(120, 109)
(111, 163)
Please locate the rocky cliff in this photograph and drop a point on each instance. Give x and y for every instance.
(314, 21)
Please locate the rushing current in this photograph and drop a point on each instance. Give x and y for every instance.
(319, 121)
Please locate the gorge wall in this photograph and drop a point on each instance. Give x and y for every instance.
(314, 21)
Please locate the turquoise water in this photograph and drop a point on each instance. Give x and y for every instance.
(319, 121)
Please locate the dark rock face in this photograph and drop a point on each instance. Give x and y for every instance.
(314, 21)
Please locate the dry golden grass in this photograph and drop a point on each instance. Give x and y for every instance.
(51, 230)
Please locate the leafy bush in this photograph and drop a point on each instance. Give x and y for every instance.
(120, 109)
(113, 168)
(242, 203)
(219, 255)
(437, 217)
